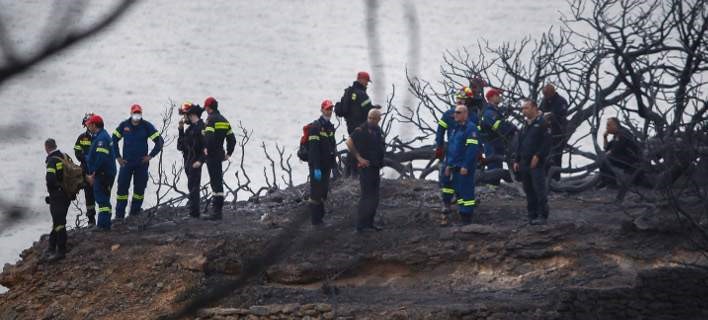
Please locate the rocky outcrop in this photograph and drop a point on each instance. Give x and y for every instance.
(592, 261)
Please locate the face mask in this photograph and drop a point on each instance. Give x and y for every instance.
(136, 117)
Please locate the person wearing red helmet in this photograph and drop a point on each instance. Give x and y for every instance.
(322, 150)
(216, 131)
(101, 169)
(354, 108)
(495, 132)
(81, 149)
(135, 160)
(191, 143)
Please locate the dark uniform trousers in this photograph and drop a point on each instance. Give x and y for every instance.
(534, 183)
(194, 181)
(216, 180)
(370, 182)
(58, 207)
(318, 194)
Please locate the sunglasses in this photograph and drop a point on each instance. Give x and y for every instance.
(458, 112)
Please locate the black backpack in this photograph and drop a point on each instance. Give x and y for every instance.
(341, 108)
(303, 150)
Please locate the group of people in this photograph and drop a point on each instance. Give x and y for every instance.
(97, 152)
(474, 133)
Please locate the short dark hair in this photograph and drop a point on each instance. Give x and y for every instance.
(50, 143)
(533, 103)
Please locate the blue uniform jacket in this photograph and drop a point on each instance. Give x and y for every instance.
(493, 125)
(463, 147)
(101, 158)
(135, 139)
(447, 124)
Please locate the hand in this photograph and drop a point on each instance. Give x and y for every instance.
(439, 153)
(317, 175)
(464, 171)
(534, 162)
(122, 162)
(90, 179)
(448, 172)
(227, 157)
(196, 164)
(516, 167)
(46, 199)
(206, 153)
(147, 159)
(181, 124)
(362, 163)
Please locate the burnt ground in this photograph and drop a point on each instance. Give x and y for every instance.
(594, 260)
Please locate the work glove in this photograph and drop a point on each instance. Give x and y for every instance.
(439, 153)
(317, 175)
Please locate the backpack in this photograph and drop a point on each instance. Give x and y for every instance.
(341, 108)
(73, 179)
(303, 150)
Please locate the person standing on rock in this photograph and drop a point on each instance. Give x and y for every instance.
(623, 153)
(217, 130)
(555, 105)
(191, 143)
(462, 154)
(531, 155)
(57, 200)
(354, 107)
(135, 161)
(495, 131)
(367, 145)
(322, 150)
(101, 170)
(81, 148)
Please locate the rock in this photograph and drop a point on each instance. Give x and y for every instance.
(115, 247)
(197, 263)
(323, 307)
(262, 310)
(476, 229)
(223, 312)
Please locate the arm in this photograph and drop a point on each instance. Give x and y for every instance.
(314, 142)
(230, 141)
(156, 139)
(79, 150)
(116, 138)
(52, 180)
(180, 139)
(544, 147)
(440, 132)
(209, 132)
(471, 150)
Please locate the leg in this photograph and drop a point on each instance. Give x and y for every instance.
(446, 188)
(90, 204)
(194, 180)
(538, 178)
(217, 186)
(527, 183)
(139, 185)
(557, 150)
(124, 175)
(102, 191)
(59, 206)
(375, 193)
(365, 200)
(317, 193)
(490, 154)
(465, 195)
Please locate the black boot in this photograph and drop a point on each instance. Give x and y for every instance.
(315, 216)
(91, 215)
(60, 254)
(466, 219)
(61, 246)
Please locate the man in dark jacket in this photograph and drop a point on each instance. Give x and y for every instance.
(557, 106)
(322, 148)
(495, 131)
(366, 144)
(216, 131)
(58, 201)
(135, 160)
(531, 155)
(81, 148)
(354, 108)
(191, 143)
(623, 152)
(101, 170)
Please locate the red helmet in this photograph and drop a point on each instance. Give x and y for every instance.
(136, 108)
(493, 92)
(363, 75)
(94, 119)
(327, 104)
(210, 102)
(185, 107)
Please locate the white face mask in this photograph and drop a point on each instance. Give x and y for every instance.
(136, 117)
